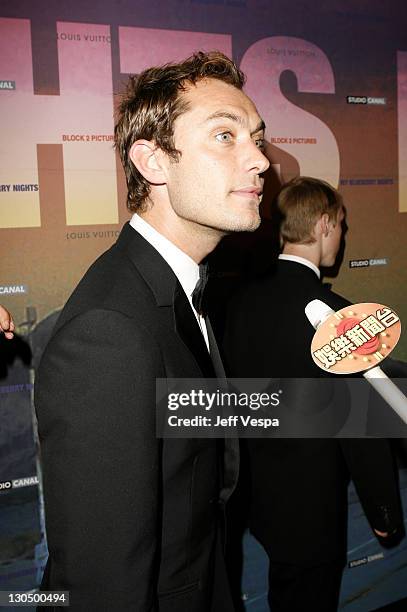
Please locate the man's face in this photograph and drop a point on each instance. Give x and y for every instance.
(216, 183)
(333, 241)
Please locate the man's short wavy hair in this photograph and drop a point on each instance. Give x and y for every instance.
(153, 102)
(301, 202)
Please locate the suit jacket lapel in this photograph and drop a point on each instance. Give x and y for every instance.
(231, 455)
(214, 352)
(168, 292)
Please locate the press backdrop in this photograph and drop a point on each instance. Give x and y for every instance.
(329, 79)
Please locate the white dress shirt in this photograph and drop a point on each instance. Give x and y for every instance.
(184, 268)
(301, 260)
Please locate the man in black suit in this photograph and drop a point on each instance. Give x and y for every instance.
(132, 520)
(299, 486)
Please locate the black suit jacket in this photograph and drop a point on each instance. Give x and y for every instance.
(299, 486)
(131, 519)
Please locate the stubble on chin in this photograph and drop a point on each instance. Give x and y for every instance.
(243, 225)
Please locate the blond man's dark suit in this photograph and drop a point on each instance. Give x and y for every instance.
(298, 502)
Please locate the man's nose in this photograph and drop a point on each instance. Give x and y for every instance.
(258, 161)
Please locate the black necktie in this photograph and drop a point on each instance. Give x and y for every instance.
(199, 301)
(198, 294)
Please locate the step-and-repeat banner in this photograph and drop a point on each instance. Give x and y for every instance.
(331, 84)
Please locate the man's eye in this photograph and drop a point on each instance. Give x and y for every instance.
(260, 143)
(224, 137)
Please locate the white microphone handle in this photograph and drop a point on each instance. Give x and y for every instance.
(317, 312)
(388, 390)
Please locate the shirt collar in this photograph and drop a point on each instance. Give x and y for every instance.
(301, 260)
(184, 268)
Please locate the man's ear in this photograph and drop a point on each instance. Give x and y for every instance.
(145, 156)
(325, 225)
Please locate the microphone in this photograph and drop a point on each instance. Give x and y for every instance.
(317, 312)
